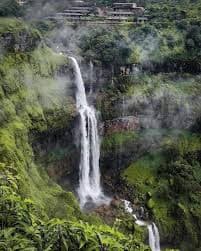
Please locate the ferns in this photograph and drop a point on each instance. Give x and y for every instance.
(22, 230)
(61, 235)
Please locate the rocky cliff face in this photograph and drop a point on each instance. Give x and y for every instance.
(134, 157)
(122, 124)
(57, 152)
(140, 110)
(173, 103)
(21, 42)
(17, 37)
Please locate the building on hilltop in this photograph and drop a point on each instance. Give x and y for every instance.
(128, 7)
(125, 12)
(124, 6)
(81, 10)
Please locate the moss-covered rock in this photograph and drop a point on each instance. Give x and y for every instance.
(33, 100)
(169, 203)
(150, 204)
(16, 36)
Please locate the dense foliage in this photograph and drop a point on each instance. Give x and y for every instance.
(105, 46)
(159, 163)
(22, 229)
(169, 40)
(10, 8)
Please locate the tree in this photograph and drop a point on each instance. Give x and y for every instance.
(10, 8)
(193, 39)
(108, 47)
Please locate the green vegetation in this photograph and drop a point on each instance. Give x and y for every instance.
(168, 183)
(166, 173)
(23, 229)
(105, 46)
(10, 8)
(29, 106)
(36, 213)
(170, 37)
(143, 93)
(164, 159)
(116, 140)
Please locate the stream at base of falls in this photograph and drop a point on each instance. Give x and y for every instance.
(154, 237)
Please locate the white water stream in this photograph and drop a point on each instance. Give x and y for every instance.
(89, 189)
(154, 237)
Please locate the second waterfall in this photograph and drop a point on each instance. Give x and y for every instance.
(89, 189)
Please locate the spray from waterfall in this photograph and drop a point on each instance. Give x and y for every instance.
(91, 76)
(154, 237)
(89, 189)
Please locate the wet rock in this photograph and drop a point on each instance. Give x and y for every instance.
(57, 149)
(115, 202)
(128, 123)
(21, 41)
(103, 210)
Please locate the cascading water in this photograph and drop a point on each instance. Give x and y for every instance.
(154, 237)
(89, 189)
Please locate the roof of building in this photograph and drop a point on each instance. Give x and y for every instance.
(140, 8)
(81, 7)
(124, 4)
(120, 13)
(76, 11)
(70, 14)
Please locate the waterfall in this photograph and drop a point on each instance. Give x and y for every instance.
(127, 206)
(89, 189)
(154, 237)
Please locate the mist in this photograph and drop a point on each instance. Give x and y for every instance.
(40, 9)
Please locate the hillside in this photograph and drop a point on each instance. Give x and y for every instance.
(100, 129)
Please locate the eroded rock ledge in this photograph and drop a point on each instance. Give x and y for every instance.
(121, 124)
